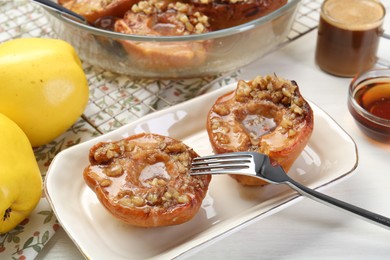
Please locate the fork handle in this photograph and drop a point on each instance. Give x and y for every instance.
(60, 9)
(349, 208)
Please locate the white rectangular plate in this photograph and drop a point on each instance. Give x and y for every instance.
(330, 156)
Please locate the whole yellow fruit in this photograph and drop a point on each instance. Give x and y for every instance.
(20, 178)
(43, 87)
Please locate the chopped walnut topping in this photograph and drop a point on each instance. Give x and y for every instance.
(105, 183)
(138, 201)
(222, 109)
(107, 152)
(114, 171)
(127, 202)
(183, 199)
(279, 91)
(192, 21)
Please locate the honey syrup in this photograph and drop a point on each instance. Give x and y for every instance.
(375, 98)
(372, 107)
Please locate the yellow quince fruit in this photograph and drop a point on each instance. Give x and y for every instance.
(20, 178)
(43, 87)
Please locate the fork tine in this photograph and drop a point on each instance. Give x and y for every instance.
(216, 161)
(225, 156)
(220, 170)
(218, 166)
(231, 163)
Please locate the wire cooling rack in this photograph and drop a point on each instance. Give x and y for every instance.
(114, 99)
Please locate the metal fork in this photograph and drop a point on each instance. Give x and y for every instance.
(259, 165)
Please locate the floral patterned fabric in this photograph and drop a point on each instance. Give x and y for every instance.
(114, 101)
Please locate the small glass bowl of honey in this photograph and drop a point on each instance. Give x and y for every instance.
(369, 103)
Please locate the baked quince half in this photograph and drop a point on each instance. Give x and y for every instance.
(164, 18)
(144, 180)
(266, 115)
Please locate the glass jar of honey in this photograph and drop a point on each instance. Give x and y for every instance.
(369, 103)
